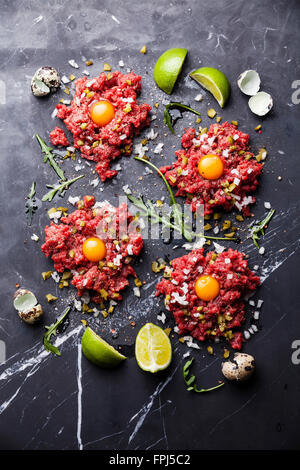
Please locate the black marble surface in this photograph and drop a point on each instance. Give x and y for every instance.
(65, 402)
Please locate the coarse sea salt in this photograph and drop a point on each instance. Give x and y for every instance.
(73, 200)
(55, 276)
(198, 97)
(158, 148)
(73, 64)
(137, 292)
(256, 315)
(218, 248)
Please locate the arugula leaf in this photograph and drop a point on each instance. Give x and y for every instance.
(176, 215)
(58, 188)
(52, 330)
(190, 381)
(258, 229)
(30, 206)
(50, 157)
(167, 117)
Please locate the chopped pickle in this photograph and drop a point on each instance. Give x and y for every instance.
(46, 275)
(211, 113)
(51, 298)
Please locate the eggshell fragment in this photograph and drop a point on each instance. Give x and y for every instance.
(25, 302)
(249, 82)
(261, 103)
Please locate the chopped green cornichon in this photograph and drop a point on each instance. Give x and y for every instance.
(190, 380)
(180, 107)
(49, 157)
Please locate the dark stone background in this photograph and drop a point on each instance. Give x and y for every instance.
(127, 409)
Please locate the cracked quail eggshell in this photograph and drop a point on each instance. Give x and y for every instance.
(249, 82)
(261, 103)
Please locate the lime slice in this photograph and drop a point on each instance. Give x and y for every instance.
(153, 350)
(99, 351)
(168, 67)
(214, 81)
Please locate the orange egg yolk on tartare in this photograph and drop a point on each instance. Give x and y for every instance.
(207, 288)
(94, 249)
(211, 167)
(102, 112)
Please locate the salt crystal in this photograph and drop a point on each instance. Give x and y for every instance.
(256, 315)
(73, 200)
(267, 205)
(34, 237)
(246, 334)
(65, 79)
(94, 182)
(73, 64)
(55, 276)
(261, 250)
(158, 148)
(137, 292)
(126, 189)
(199, 97)
(218, 248)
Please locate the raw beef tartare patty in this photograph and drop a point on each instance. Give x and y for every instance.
(104, 143)
(214, 318)
(64, 243)
(240, 170)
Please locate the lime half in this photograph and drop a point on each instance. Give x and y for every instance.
(214, 81)
(168, 67)
(153, 350)
(98, 351)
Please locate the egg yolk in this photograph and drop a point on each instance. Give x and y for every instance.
(207, 288)
(94, 249)
(210, 167)
(102, 112)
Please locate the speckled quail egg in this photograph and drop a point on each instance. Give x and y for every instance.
(44, 81)
(240, 368)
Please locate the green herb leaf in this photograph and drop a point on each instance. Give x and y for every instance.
(52, 330)
(30, 206)
(179, 106)
(258, 229)
(190, 381)
(176, 216)
(50, 157)
(58, 188)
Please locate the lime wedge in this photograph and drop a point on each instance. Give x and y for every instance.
(214, 81)
(168, 67)
(98, 351)
(153, 350)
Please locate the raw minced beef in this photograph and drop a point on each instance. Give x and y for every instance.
(240, 177)
(219, 317)
(58, 137)
(104, 144)
(64, 242)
